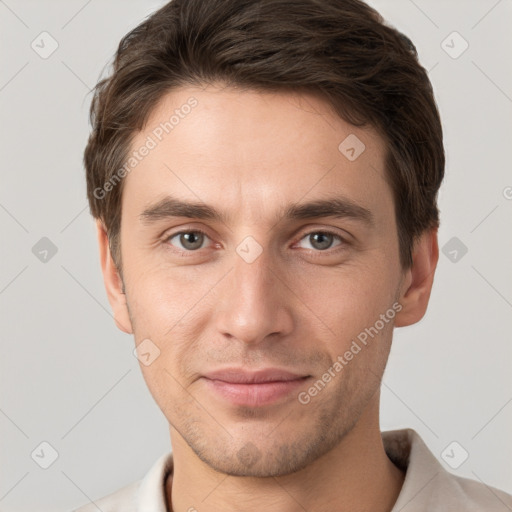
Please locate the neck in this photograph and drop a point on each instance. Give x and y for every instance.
(356, 475)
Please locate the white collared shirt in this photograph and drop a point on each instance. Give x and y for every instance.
(428, 486)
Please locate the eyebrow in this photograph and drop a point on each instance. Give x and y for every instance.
(336, 207)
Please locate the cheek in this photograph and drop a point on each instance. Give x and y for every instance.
(168, 389)
(161, 298)
(348, 299)
(170, 307)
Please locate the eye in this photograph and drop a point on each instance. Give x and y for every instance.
(188, 240)
(321, 240)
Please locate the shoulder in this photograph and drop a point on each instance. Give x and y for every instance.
(124, 499)
(143, 495)
(429, 486)
(470, 494)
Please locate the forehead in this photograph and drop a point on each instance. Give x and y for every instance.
(253, 152)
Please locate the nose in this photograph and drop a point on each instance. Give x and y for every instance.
(255, 304)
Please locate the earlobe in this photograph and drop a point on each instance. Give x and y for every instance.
(418, 280)
(113, 282)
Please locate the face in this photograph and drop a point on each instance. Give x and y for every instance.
(256, 256)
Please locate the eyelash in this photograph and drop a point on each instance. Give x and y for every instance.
(340, 246)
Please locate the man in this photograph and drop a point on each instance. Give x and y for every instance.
(264, 177)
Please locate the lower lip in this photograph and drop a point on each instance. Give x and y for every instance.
(254, 394)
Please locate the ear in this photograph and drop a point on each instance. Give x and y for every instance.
(418, 279)
(113, 282)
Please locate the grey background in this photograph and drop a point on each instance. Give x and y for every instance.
(69, 378)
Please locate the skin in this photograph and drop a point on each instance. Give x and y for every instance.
(296, 306)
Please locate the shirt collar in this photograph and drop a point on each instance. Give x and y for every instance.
(151, 492)
(406, 450)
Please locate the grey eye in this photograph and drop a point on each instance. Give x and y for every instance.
(320, 240)
(189, 240)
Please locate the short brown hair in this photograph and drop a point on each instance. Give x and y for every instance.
(339, 49)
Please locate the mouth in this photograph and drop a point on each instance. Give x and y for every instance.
(253, 388)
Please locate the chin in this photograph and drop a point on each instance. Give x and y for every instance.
(272, 460)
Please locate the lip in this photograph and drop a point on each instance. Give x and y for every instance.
(253, 388)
